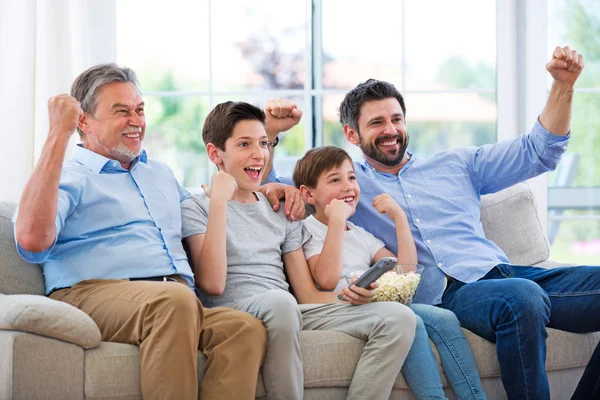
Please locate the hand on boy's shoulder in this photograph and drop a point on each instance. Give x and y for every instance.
(293, 205)
(338, 209)
(222, 187)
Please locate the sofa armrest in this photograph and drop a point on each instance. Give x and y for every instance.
(37, 367)
(47, 317)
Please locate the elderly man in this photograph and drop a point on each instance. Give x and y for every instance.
(465, 272)
(106, 228)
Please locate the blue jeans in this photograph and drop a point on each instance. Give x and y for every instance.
(589, 385)
(512, 305)
(420, 368)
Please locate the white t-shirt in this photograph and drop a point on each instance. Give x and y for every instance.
(358, 250)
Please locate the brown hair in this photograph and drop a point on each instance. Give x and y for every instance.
(316, 162)
(219, 124)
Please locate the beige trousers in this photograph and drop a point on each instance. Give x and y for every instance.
(169, 324)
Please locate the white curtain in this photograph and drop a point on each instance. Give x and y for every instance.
(44, 45)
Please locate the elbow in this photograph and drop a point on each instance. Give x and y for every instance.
(34, 243)
(211, 288)
(328, 285)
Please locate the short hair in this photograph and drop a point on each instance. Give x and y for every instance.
(316, 162)
(86, 86)
(219, 124)
(370, 90)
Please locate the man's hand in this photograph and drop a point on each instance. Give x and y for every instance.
(222, 187)
(384, 204)
(64, 112)
(338, 209)
(282, 115)
(294, 205)
(566, 65)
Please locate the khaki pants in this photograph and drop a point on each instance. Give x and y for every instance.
(169, 324)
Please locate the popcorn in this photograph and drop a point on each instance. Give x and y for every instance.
(397, 287)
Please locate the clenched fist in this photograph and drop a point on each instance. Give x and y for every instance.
(222, 187)
(384, 204)
(338, 209)
(566, 65)
(282, 115)
(64, 112)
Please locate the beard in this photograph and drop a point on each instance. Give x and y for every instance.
(372, 151)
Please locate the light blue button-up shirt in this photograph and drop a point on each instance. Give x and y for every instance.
(441, 198)
(114, 223)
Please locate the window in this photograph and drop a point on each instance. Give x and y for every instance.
(192, 55)
(574, 189)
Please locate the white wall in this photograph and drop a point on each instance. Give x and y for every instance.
(44, 44)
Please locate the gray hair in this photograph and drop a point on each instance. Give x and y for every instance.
(86, 86)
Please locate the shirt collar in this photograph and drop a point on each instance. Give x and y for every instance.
(96, 162)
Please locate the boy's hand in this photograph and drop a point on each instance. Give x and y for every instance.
(358, 296)
(338, 209)
(384, 204)
(282, 115)
(222, 187)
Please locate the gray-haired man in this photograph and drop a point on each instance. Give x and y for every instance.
(106, 227)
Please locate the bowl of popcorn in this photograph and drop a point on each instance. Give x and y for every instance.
(400, 284)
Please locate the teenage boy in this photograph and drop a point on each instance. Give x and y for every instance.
(239, 246)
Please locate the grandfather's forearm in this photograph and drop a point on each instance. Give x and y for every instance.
(556, 116)
(38, 206)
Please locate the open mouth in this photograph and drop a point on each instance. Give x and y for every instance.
(348, 199)
(388, 142)
(133, 134)
(254, 171)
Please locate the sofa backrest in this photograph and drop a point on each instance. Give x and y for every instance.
(16, 275)
(510, 219)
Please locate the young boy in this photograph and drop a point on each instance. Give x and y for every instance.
(326, 179)
(239, 246)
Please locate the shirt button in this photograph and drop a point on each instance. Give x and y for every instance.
(428, 241)
(564, 147)
(115, 164)
(417, 220)
(409, 196)
(440, 265)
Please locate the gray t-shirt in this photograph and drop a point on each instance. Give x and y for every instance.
(257, 238)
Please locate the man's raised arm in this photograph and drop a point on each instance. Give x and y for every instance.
(282, 115)
(565, 67)
(35, 225)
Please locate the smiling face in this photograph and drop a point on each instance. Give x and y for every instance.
(337, 183)
(245, 156)
(381, 133)
(117, 127)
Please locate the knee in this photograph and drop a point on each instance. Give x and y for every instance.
(526, 300)
(177, 301)
(280, 314)
(400, 318)
(253, 331)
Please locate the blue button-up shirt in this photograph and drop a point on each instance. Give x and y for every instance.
(114, 223)
(441, 198)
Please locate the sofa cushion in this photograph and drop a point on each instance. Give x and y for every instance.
(47, 317)
(112, 370)
(510, 219)
(16, 275)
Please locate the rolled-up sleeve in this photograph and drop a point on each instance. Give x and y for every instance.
(497, 166)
